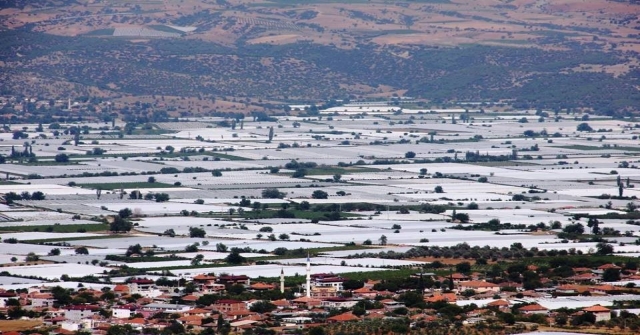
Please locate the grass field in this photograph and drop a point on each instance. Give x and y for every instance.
(504, 163)
(338, 170)
(70, 228)
(581, 147)
(227, 156)
(117, 186)
(594, 147)
(299, 214)
(70, 239)
(51, 163)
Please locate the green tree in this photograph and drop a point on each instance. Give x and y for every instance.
(610, 275)
(262, 307)
(197, 232)
(319, 194)
(584, 127)
(37, 195)
(463, 267)
(134, 249)
(62, 158)
(120, 225)
(191, 248)
(32, 257)
(197, 259)
(82, 251)
(283, 236)
(125, 213)
(235, 258)
(604, 248)
(272, 193)
(54, 252)
(161, 197)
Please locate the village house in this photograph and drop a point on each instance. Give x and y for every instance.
(478, 286)
(79, 312)
(338, 303)
(262, 287)
(437, 297)
(231, 280)
(533, 309)
(601, 313)
(124, 311)
(327, 280)
(344, 317)
(391, 305)
(323, 292)
(165, 308)
(364, 292)
(144, 287)
(500, 305)
(228, 305)
(41, 299)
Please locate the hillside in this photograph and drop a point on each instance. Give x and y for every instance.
(563, 54)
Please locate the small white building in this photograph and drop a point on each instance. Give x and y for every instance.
(124, 311)
(338, 303)
(392, 305)
(144, 287)
(79, 312)
(297, 320)
(41, 300)
(166, 308)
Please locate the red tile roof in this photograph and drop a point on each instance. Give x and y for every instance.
(348, 316)
(532, 308)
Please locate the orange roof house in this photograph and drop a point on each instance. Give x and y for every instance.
(498, 303)
(608, 266)
(344, 317)
(596, 309)
(478, 286)
(601, 313)
(203, 277)
(446, 297)
(309, 302)
(533, 309)
(282, 303)
(122, 289)
(364, 292)
(193, 320)
(262, 286)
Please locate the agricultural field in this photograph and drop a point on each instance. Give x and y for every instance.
(378, 195)
(343, 187)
